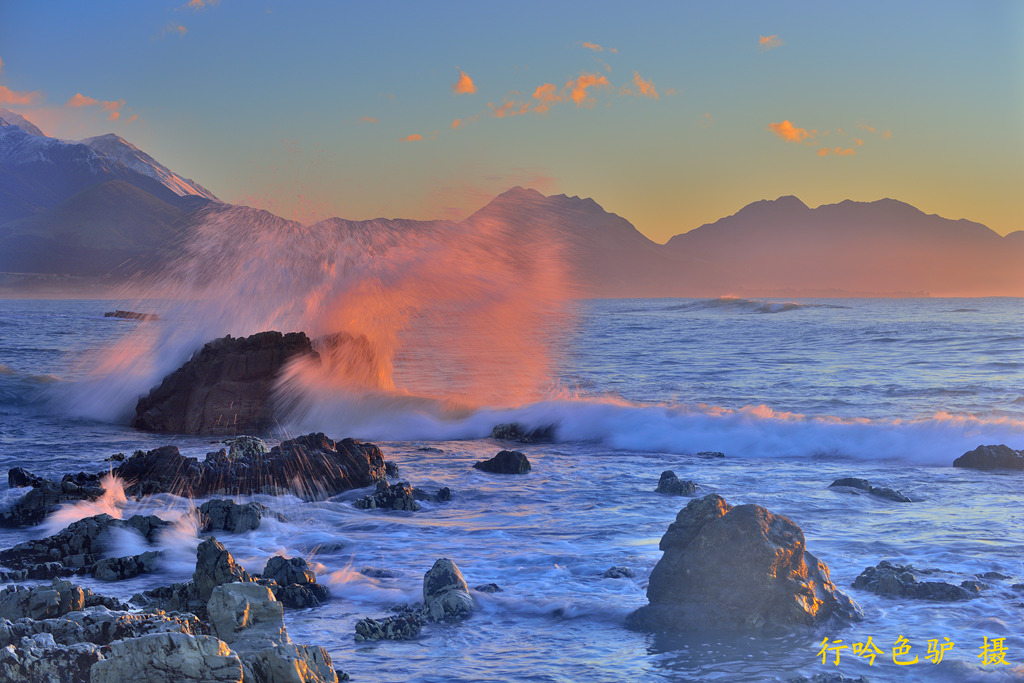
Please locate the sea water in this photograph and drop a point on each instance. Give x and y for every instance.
(795, 393)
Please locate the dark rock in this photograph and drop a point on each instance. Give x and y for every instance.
(131, 315)
(178, 597)
(38, 658)
(397, 627)
(379, 573)
(41, 602)
(488, 588)
(46, 496)
(896, 580)
(991, 458)
(1018, 587)
(618, 573)
(227, 515)
(430, 449)
(710, 454)
(993, 575)
(973, 586)
(312, 467)
(225, 388)
(517, 433)
(298, 596)
(673, 485)
(246, 447)
(445, 593)
(286, 571)
(19, 476)
(389, 497)
(120, 568)
(116, 457)
(443, 495)
(739, 569)
(99, 625)
(214, 567)
(865, 485)
(505, 462)
(391, 470)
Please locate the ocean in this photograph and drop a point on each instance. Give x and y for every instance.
(795, 393)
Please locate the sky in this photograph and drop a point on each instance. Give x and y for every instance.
(670, 114)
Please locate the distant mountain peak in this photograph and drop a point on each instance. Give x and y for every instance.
(118, 149)
(16, 119)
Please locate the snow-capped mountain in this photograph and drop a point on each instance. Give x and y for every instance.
(120, 150)
(16, 119)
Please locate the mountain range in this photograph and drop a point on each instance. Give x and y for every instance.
(103, 210)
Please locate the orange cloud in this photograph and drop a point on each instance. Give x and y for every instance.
(823, 152)
(80, 100)
(465, 85)
(112, 105)
(646, 88)
(509, 108)
(8, 96)
(706, 121)
(858, 141)
(367, 119)
(196, 5)
(578, 88)
(456, 123)
(593, 46)
(844, 152)
(415, 137)
(1, 64)
(114, 116)
(788, 132)
(132, 118)
(766, 43)
(547, 95)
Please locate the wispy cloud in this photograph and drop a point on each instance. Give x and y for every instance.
(546, 95)
(24, 97)
(597, 48)
(508, 108)
(644, 88)
(706, 121)
(415, 137)
(886, 134)
(367, 119)
(465, 85)
(460, 123)
(112, 107)
(196, 5)
(578, 87)
(80, 100)
(837, 151)
(766, 43)
(171, 29)
(788, 132)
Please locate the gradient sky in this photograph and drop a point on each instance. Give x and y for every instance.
(312, 109)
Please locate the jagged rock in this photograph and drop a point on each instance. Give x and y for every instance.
(41, 602)
(214, 567)
(99, 625)
(297, 587)
(380, 573)
(618, 573)
(297, 596)
(991, 458)
(120, 568)
(225, 388)
(116, 457)
(398, 627)
(739, 569)
(488, 588)
(391, 470)
(227, 515)
(46, 496)
(246, 447)
(897, 580)
(312, 467)
(671, 484)
(37, 658)
(178, 597)
(445, 593)
(168, 658)
(710, 454)
(865, 485)
(515, 432)
(78, 547)
(505, 462)
(390, 497)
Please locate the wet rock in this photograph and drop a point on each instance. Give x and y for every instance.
(445, 593)
(443, 495)
(99, 625)
(505, 462)
(738, 569)
(973, 586)
(297, 587)
(225, 388)
(246, 447)
(391, 470)
(397, 627)
(120, 568)
(380, 573)
(41, 602)
(178, 597)
(710, 454)
(131, 315)
(865, 485)
(897, 580)
(46, 496)
(38, 658)
(291, 663)
(227, 515)
(298, 596)
(168, 658)
(517, 433)
(993, 576)
(488, 588)
(312, 467)
(430, 449)
(78, 547)
(18, 477)
(389, 497)
(214, 567)
(671, 484)
(991, 458)
(618, 573)
(116, 457)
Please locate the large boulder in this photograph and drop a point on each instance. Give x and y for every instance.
(214, 567)
(225, 388)
(738, 569)
(296, 583)
(313, 467)
(41, 602)
(168, 658)
(445, 593)
(505, 462)
(991, 458)
(227, 515)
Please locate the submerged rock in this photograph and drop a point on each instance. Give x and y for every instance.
(312, 467)
(897, 580)
(488, 588)
(445, 593)
(505, 462)
(865, 485)
(738, 569)
(991, 458)
(513, 431)
(227, 515)
(671, 484)
(398, 496)
(618, 573)
(225, 388)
